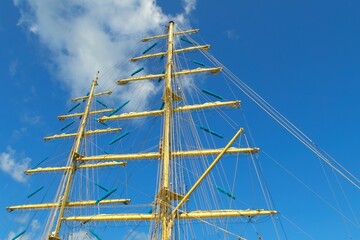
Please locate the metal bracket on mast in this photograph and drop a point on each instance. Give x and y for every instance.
(77, 156)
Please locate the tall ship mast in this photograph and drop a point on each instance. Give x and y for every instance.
(186, 169)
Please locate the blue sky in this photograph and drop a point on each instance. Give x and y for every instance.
(301, 56)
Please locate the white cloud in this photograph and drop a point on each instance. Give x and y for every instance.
(10, 165)
(190, 6)
(88, 35)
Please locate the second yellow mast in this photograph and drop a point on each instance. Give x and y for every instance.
(73, 154)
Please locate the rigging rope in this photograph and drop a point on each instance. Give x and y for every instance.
(313, 191)
(284, 122)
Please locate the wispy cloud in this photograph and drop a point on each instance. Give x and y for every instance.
(30, 232)
(25, 236)
(231, 34)
(31, 119)
(189, 6)
(30, 95)
(11, 235)
(9, 164)
(35, 225)
(18, 133)
(88, 35)
(13, 68)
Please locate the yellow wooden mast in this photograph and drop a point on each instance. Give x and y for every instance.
(164, 199)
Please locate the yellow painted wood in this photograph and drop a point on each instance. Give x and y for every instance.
(234, 104)
(181, 216)
(63, 117)
(198, 70)
(165, 35)
(203, 47)
(164, 201)
(90, 132)
(95, 95)
(68, 205)
(146, 77)
(132, 115)
(183, 72)
(95, 165)
(157, 155)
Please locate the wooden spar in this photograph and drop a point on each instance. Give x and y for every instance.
(87, 96)
(161, 54)
(234, 104)
(157, 155)
(199, 214)
(183, 72)
(68, 205)
(84, 166)
(166, 35)
(63, 117)
(90, 132)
